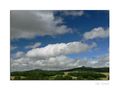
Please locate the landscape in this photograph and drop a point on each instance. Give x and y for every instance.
(59, 45)
(83, 73)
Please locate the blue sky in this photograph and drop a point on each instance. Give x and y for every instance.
(71, 26)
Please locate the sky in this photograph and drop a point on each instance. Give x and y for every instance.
(59, 40)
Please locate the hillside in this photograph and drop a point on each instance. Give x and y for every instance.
(82, 73)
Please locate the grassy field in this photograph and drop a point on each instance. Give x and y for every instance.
(107, 76)
(83, 73)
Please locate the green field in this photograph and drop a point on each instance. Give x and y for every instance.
(82, 73)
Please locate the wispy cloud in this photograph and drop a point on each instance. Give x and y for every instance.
(37, 44)
(73, 13)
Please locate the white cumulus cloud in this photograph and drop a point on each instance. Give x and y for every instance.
(57, 63)
(58, 49)
(98, 32)
(52, 63)
(51, 57)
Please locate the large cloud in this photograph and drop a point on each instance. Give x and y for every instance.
(52, 63)
(51, 57)
(58, 49)
(57, 63)
(28, 24)
(98, 32)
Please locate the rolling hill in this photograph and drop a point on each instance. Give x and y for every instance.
(81, 73)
